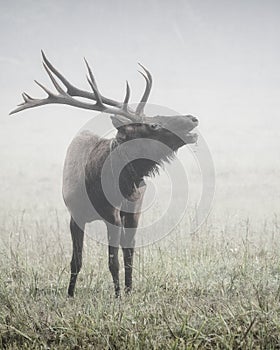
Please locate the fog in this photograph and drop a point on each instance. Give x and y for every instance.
(217, 60)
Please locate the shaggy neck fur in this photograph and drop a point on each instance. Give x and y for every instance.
(132, 175)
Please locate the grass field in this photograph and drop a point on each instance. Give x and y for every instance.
(216, 289)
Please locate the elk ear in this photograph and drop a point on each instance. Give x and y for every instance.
(119, 121)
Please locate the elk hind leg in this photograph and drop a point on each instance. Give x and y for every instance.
(77, 234)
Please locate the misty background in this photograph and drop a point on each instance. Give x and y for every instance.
(217, 60)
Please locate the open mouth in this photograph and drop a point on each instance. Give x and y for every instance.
(191, 137)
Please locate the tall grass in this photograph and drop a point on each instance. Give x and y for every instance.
(216, 289)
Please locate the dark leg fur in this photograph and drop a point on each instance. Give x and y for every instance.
(114, 268)
(128, 264)
(130, 222)
(77, 234)
(114, 233)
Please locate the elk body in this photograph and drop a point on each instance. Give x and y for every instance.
(104, 179)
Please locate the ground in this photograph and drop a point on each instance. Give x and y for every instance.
(218, 288)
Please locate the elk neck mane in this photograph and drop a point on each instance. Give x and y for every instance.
(134, 171)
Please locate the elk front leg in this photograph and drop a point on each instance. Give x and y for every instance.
(77, 234)
(130, 223)
(114, 233)
(128, 265)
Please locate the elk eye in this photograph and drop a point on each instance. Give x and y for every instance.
(154, 126)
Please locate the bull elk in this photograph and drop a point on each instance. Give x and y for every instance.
(96, 167)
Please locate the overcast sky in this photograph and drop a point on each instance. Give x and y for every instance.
(218, 60)
(197, 50)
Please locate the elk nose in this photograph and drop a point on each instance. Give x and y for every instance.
(194, 119)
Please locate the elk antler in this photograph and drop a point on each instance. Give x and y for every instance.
(67, 97)
(144, 99)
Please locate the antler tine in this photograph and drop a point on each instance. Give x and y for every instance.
(47, 91)
(93, 85)
(55, 83)
(149, 75)
(30, 102)
(144, 99)
(127, 97)
(47, 64)
(90, 73)
(27, 96)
